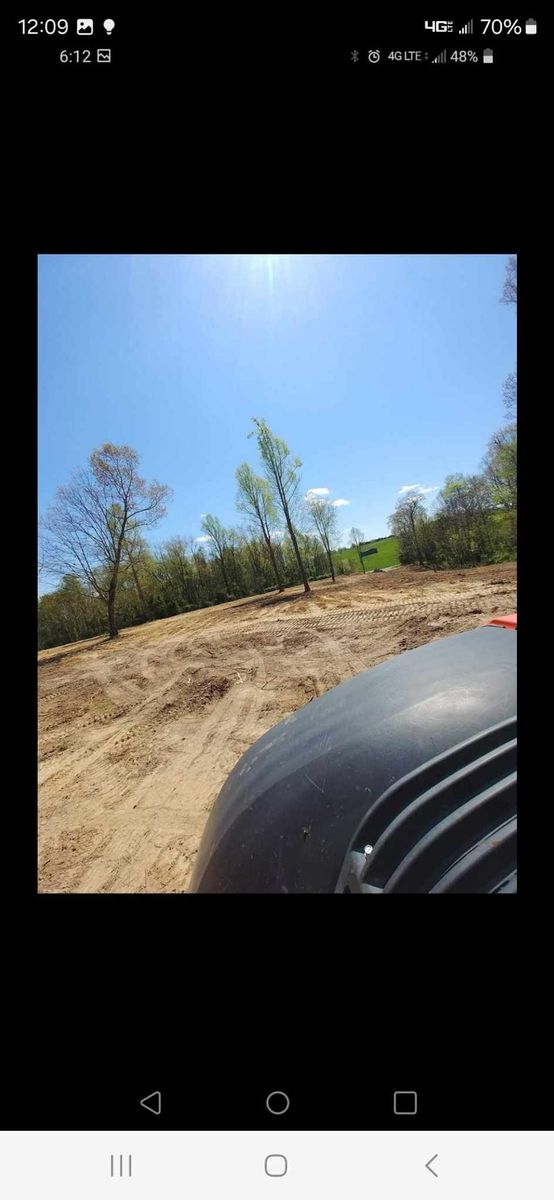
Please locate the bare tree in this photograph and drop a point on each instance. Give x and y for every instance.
(509, 395)
(356, 540)
(85, 528)
(282, 474)
(324, 519)
(254, 499)
(220, 541)
(509, 291)
(509, 296)
(135, 548)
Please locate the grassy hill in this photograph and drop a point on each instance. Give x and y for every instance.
(387, 555)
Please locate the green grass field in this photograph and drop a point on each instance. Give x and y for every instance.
(387, 556)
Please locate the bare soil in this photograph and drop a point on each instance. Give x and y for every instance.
(137, 735)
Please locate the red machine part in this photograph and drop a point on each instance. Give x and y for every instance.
(509, 622)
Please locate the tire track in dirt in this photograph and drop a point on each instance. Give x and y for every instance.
(164, 769)
(240, 709)
(139, 709)
(138, 736)
(141, 715)
(386, 613)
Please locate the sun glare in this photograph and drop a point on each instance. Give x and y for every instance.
(268, 289)
(267, 265)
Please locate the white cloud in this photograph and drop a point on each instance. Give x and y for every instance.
(203, 539)
(313, 493)
(418, 488)
(322, 494)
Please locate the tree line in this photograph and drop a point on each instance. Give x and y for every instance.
(93, 539)
(475, 516)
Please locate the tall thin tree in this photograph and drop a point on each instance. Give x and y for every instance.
(282, 474)
(324, 520)
(220, 541)
(254, 499)
(356, 540)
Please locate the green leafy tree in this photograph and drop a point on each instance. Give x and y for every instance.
(356, 541)
(406, 524)
(282, 475)
(500, 467)
(324, 520)
(463, 520)
(219, 538)
(255, 501)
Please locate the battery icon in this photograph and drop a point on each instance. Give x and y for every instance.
(530, 26)
(488, 56)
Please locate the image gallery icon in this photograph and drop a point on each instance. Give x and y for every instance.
(85, 25)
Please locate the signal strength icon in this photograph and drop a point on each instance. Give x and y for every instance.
(440, 57)
(467, 28)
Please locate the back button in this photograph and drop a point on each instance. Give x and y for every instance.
(153, 1103)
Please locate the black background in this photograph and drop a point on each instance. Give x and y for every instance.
(242, 134)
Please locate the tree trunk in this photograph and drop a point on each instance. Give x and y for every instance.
(225, 580)
(416, 543)
(330, 557)
(113, 630)
(362, 562)
(307, 587)
(237, 574)
(185, 587)
(255, 570)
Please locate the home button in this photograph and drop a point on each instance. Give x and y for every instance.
(277, 1103)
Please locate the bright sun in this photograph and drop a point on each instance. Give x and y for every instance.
(268, 265)
(269, 288)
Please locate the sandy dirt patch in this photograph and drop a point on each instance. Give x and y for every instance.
(137, 735)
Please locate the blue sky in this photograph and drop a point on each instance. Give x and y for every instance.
(380, 371)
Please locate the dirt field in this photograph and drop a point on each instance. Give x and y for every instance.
(138, 735)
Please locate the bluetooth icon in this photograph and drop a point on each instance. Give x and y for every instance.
(354, 55)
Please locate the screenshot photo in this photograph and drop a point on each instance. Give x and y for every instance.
(277, 573)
